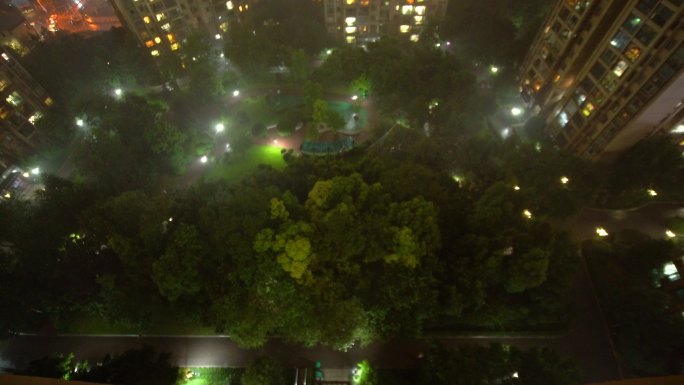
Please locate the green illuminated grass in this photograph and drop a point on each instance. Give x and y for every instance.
(242, 165)
(212, 376)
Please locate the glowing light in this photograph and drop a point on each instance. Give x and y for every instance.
(35, 170)
(25, 174)
(219, 127)
(8, 195)
(651, 192)
(515, 375)
(229, 5)
(527, 214)
(670, 234)
(516, 111)
(678, 130)
(204, 159)
(170, 219)
(118, 92)
(601, 232)
(516, 188)
(275, 141)
(404, 28)
(354, 97)
(564, 180)
(328, 52)
(493, 69)
(217, 36)
(236, 93)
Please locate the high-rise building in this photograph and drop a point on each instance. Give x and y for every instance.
(162, 25)
(605, 74)
(22, 102)
(360, 21)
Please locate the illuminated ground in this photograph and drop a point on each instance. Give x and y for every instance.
(240, 166)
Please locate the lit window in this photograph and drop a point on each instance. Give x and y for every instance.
(171, 38)
(414, 38)
(229, 5)
(157, 40)
(175, 46)
(620, 40)
(670, 271)
(404, 28)
(419, 19)
(407, 9)
(588, 109)
(581, 97)
(154, 52)
(632, 53)
(146, 19)
(350, 29)
(160, 16)
(3, 84)
(48, 101)
(563, 119)
(35, 117)
(166, 27)
(4, 56)
(350, 20)
(224, 27)
(620, 68)
(351, 39)
(149, 43)
(350, 2)
(14, 99)
(420, 9)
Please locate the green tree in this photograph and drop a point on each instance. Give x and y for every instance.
(264, 371)
(176, 272)
(527, 270)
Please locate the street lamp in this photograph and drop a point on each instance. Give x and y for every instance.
(80, 122)
(219, 127)
(516, 188)
(527, 214)
(354, 97)
(651, 192)
(236, 93)
(601, 232)
(118, 92)
(204, 159)
(493, 69)
(35, 171)
(670, 233)
(564, 180)
(516, 111)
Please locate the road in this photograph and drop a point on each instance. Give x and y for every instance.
(587, 343)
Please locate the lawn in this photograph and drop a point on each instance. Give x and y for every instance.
(211, 376)
(242, 165)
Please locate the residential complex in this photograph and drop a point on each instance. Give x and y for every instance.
(360, 21)
(605, 74)
(162, 25)
(22, 103)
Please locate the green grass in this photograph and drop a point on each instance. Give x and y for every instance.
(242, 165)
(211, 376)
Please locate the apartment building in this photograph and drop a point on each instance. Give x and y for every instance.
(361, 21)
(162, 25)
(22, 102)
(605, 74)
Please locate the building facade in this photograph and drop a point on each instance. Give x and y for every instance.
(162, 25)
(605, 74)
(361, 21)
(22, 102)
